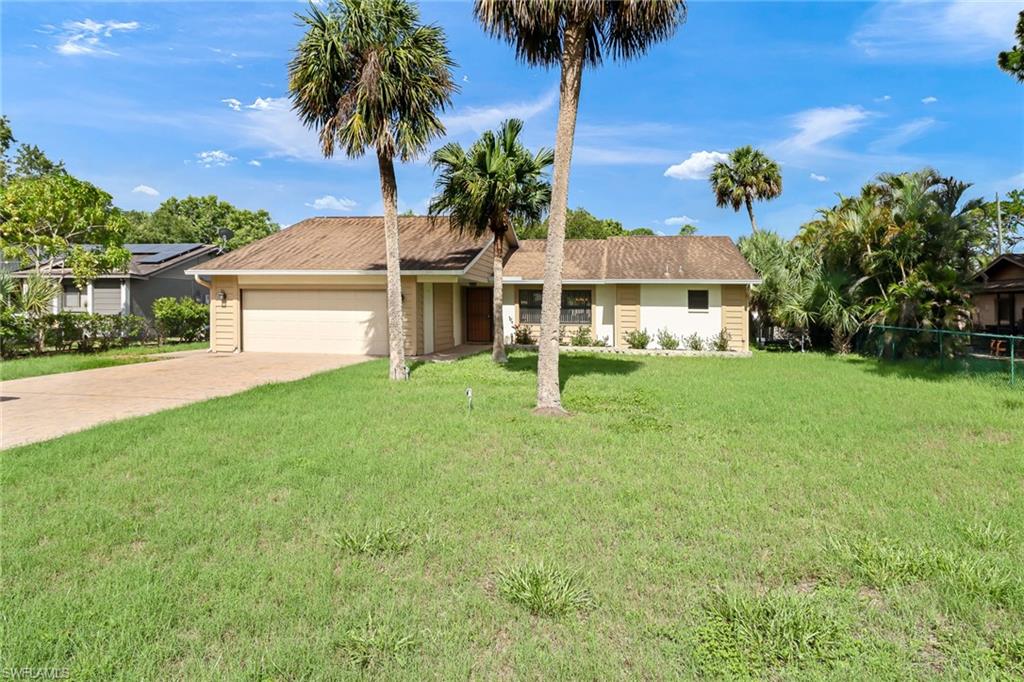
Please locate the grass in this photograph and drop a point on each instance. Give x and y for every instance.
(56, 363)
(544, 590)
(788, 516)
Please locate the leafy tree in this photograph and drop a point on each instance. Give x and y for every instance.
(485, 189)
(198, 219)
(687, 230)
(571, 34)
(581, 224)
(50, 217)
(746, 176)
(1010, 214)
(1012, 61)
(29, 160)
(368, 75)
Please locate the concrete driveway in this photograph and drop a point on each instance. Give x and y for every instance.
(39, 408)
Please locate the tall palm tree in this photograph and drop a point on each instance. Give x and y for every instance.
(485, 189)
(368, 75)
(747, 175)
(571, 34)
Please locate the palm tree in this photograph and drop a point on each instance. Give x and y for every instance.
(747, 175)
(368, 75)
(489, 187)
(572, 34)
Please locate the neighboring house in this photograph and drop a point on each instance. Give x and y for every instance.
(319, 287)
(998, 295)
(155, 270)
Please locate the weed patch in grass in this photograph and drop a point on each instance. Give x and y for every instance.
(544, 590)
(1008, 654)
(751, 635)
(373, 645)
(376, 540)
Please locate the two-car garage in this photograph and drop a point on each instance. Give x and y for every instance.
(346, 321)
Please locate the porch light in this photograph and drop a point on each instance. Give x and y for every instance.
(222, 296)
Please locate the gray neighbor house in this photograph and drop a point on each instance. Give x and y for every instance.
(155, 270)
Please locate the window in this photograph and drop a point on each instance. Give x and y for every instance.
(575, 306)
(73, 299)
(697, 300)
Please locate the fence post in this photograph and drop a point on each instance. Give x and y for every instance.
(942, 356)
(1013, 360)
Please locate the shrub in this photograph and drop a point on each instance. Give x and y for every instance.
(15, 333)
(543, 590)
(720, 341)
(129, 328)
(694, 342)
(638, 338)
(521, 334)
(667, 339)
(65, 329)
(582, 337)
(181, 318)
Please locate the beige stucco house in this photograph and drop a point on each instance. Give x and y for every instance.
(319, 287)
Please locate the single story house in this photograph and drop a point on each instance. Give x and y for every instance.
(155, 271)
(998, 295)
(319, 287)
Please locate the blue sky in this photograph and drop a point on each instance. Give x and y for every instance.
(168, 99)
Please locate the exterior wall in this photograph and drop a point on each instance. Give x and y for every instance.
(106, 297)
(736, 315)
(172, 282)
(604, 312)
(410, 314)
(509, 308)
(458, 293)
(665, 306)
(444, 332)
(419, 320)
(984, 310)
(225, 316)
(483, 269)
(427, 315)
(627, 311)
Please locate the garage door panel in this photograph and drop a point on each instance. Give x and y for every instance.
(314, 321)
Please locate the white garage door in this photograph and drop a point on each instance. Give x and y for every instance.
(315, 321)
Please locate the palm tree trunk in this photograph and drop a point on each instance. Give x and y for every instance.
(549, 395)
(396, 331)
(498, 352)
(750, 212)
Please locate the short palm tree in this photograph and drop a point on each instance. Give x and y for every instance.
(571, 34)
(746, 176)
(368, 75)
(489, 187)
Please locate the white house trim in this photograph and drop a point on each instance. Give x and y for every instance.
(518, 280)
(88, 300)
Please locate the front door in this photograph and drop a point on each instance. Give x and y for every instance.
(479, 318)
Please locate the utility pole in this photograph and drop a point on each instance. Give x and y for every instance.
(999, 226)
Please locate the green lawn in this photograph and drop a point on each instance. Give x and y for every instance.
(22, 368)
(788, 516)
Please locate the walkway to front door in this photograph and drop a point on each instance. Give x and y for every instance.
(479, 315)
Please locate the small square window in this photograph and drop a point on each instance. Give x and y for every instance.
(697, 299)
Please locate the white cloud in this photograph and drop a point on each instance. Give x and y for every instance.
(816, 126)
(212, 158)
(88, 37)
(883, 98)
(929, 100)
(332, 203)
(696, 167)
(233, 103)
(903, 134)
(934, 31)
(256, 163)
(819, 178)
(260, 104)
(145, 189)
(681, 220)
(479, 119)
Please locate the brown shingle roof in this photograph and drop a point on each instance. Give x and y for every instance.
(355, 244)
(624, 258)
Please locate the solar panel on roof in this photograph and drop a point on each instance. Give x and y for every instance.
(158, 253)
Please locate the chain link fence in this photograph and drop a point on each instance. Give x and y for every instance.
(995, 356)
